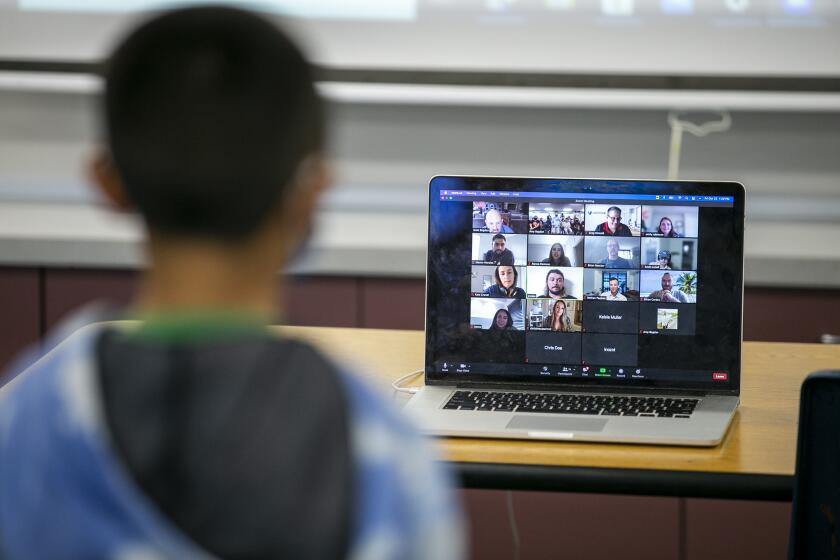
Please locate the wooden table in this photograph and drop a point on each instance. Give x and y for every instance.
(756, 460)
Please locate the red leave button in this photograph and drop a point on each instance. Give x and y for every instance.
(720, 376)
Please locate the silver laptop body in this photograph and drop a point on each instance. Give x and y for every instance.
(684, 394)
(705, 427)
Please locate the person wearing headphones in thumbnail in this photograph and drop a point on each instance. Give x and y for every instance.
(555, 285)
(614, 294)
(502, 321)
(613, 260)
(493, 221)
(499, 254)
(613, 225)
(505, 286)
(666, 228)
(663, 260)
(558, 320)
(557, 256)
(667, 293)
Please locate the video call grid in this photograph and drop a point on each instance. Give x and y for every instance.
(600, 243)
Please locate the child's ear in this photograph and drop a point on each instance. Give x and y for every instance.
(103, 174)
(292, 223)
(314, 176)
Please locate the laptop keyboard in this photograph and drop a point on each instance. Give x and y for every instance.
(603, 405)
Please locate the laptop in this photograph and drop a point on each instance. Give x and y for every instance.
(583, 310)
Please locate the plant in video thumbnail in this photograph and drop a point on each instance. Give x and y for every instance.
(687, 282)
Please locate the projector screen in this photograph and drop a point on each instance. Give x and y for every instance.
(737, 38)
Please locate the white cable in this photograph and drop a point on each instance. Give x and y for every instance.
(514, 530)
(397, 384)
(674, 154)
(679, 125)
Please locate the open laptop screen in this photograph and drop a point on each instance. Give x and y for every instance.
(571, 281)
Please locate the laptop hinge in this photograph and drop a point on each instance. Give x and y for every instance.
(588, 389)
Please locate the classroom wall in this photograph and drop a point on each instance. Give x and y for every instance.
(385, 154)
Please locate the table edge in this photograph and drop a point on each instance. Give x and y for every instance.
(647, 482)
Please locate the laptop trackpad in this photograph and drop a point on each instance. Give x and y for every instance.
(548, 424)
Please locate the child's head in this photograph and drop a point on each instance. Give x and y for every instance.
(210, 118)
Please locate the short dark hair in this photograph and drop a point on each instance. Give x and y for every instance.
(611, 208)
(554, 271)
(209, 113)
(498, 236)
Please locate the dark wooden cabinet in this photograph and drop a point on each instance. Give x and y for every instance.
(66, 290)
(736, 530)
(596, 526)
(320, 301)
(790, 315)
(393, 303)
(353, 302)
(20, 311)
(592, 526)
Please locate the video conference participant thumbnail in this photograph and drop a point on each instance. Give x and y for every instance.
(667, 286)
(496, 331)
(500, 217)
(556, 218)
(611, 285)
(611, 252)
(620, 220)
(499, 248)
(558, 315)
(493, 314)
(605, 316)
(667, 253)
(610, 349)
(670, 221)
(502, 281)
(546, 347)
(554, 282)
(555, 250)
(667, 318)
